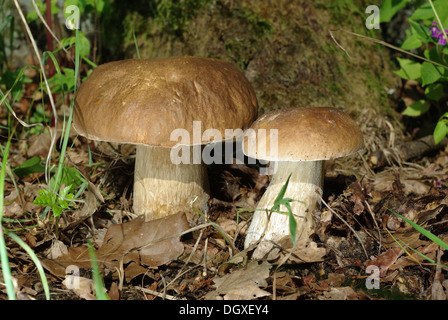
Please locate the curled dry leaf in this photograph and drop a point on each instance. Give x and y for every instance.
(12, 207)
(57, 249)
(86, 211)
(242, 284)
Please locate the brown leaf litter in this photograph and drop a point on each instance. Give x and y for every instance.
(129, 248)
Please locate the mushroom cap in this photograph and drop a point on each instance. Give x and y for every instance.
(304, 134)
(142, 101)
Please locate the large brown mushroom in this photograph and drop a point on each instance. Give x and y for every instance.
(147, 103)
(304, 139)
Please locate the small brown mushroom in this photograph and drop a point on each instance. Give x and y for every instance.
(144, 102)
(305, 137)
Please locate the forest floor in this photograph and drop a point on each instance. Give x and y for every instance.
(356, 253)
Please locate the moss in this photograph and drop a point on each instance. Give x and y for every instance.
(284, 48)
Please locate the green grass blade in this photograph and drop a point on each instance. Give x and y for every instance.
(400, 245)
(66, 133)
(36, 261)
(3, 251)
(136, 45)
(100, 291)
(280, 195)
(432, 262)
(90, 62)
(423, 231)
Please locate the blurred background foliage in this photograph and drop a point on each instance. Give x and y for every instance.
(284, 47)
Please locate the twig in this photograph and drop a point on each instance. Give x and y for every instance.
(407, 151)
(50, 96)
(157, 294)
(164, 286)
(180, 234)
(382, 43)
(204, 271)
(337, 43)
(188, 259)
(346, 223)
(219, 229)
(380, 239)
(181, 274)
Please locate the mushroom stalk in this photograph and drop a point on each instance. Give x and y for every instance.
(162, 188)
(306, 179)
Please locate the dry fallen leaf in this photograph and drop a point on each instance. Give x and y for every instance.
(12, 207)
(57, 249)
(242, 284)
(385, 260)
(341, 293)
(86, 211)
(305, 251)
(152, 243)
(83, 287)
(137, 243)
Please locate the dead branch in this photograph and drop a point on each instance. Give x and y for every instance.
(408, 151)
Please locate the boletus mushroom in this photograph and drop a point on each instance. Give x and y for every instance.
(144, 101)
(304, 139)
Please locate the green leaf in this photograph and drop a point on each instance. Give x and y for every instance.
(440, 131)
(442, 11)
(424, 12)
(84, 44)
(45, 198)
(281, 194)
(416, 109)
(412, 42)
(57, 211)
(70, 177)
(30, 166)
(65, 197)
(409, 69)
(435, 55)
(14, 80)
(430, 74)
(434, 91)
(389, 8)
(63, 82)
(280, 200)
(50, 199)
(420, 31)
(41, 5)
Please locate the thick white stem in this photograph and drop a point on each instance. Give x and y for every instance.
(306, 178)
(162, 188)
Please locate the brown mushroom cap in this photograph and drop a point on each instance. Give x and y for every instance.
(305, 134)
(142, 101)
